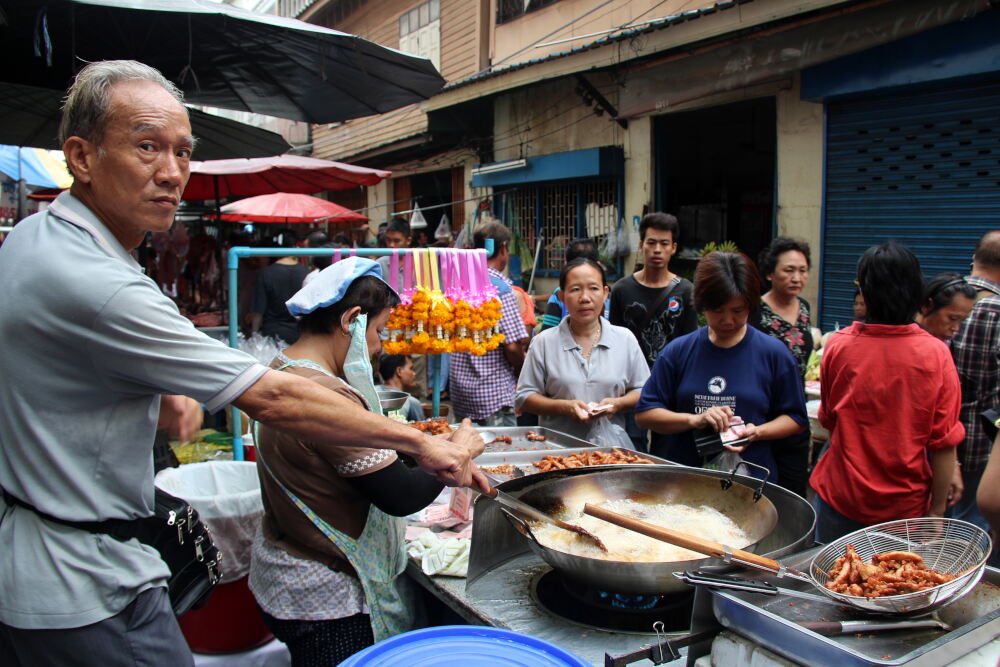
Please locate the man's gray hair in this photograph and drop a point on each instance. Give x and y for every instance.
(85, 110)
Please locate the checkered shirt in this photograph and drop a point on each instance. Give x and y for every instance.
(479, 386)
(976, 349)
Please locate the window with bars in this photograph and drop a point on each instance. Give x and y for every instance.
(560, 212)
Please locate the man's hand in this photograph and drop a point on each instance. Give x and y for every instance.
(449, 458)
(469, 437)
(180, 416)
(956, 487)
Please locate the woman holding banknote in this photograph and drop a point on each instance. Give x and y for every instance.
(726, 369)
(581, 376)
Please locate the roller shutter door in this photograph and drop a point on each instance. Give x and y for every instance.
(922, 168)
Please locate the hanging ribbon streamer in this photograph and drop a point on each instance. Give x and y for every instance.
(448, 305)
(394, 271)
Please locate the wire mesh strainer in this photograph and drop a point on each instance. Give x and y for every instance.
(946, 545)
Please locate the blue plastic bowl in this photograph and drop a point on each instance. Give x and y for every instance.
(464, 644)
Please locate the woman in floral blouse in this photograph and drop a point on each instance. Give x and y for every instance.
(785, 315)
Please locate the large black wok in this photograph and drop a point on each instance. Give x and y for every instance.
(778, 521)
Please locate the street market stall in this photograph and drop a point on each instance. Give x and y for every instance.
(448, 303)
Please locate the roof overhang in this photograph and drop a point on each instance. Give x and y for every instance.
(729, 18)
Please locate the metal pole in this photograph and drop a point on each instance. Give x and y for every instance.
(534, 264)
(232, 266)
(436, 362)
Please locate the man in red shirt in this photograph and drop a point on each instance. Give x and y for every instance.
(890, 399)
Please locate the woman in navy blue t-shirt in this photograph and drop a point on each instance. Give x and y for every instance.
(723, 370)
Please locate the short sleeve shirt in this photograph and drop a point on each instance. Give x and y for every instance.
(481, 385)
(92, 343)
(316, 473)
(555, 368)
(757, 378)
(276, 284)
(297, 572)
(890, 395)
(630, 304)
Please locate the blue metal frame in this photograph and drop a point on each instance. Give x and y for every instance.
(822, 224)
(232, 264)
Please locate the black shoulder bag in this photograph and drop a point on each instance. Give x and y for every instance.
(174, 530)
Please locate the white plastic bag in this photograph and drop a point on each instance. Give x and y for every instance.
(226, 495)
(606, 433)
(625, 243)
(611, 245)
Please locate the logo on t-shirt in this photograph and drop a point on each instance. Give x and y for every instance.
(674, 305)
(717, 385)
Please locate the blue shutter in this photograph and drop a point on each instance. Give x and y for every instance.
(922, 168)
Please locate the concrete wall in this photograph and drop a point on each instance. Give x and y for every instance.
(552, 118)
(800, 177)
(638, 174)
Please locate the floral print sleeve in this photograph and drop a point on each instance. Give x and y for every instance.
(796, 335)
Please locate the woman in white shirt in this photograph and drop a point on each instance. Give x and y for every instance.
(585, 370)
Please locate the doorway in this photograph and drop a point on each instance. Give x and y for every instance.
(715, 170)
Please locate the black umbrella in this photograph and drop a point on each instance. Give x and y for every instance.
(219, 55)
(29, 116)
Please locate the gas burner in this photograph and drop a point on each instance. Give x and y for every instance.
(629, 602)
(608, 610)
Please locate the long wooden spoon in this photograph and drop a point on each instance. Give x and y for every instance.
(695, 543)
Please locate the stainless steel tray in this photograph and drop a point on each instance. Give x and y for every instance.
(554, 440)
(523, 461)
(772, 622)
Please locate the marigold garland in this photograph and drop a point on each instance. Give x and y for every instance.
(431, 322)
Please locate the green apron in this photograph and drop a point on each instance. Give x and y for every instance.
(378, 555)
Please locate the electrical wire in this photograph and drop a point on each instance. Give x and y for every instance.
(492, 66)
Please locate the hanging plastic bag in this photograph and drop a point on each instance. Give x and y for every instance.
(606, 433)
(417, 219)
(725, 461)
(443, 231)
(611, 244)
(625, 244)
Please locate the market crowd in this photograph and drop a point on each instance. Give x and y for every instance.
(98, 357)
(908, 393)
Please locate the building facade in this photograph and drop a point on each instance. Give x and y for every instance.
(840, 122)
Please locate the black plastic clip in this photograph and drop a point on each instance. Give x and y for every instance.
(727, 483)
(658, 653)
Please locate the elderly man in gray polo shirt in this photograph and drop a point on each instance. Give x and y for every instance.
(91, 346)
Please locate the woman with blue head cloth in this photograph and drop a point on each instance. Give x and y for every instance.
(326, 561)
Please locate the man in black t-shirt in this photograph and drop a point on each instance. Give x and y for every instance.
(653, 303)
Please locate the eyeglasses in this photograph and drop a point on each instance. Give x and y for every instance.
(948, 285)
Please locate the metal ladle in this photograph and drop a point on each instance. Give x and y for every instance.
(532, 513)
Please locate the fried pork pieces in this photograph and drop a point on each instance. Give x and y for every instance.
(616, 457)
(890, 573)
(437, 426)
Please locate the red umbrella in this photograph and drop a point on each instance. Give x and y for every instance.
(216, 179)
(287, 207)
